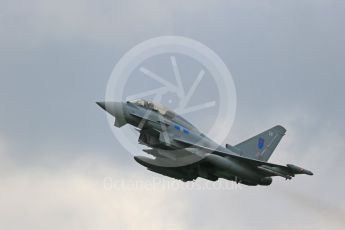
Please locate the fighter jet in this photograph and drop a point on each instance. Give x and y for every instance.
(179, 150)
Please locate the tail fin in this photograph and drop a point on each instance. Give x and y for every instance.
(262, 146)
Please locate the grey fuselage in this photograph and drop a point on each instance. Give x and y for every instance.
(160, 131)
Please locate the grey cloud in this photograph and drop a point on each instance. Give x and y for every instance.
(287, 59)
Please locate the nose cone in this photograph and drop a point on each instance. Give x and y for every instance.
(117, 109)
(114, 108)
(101, 104)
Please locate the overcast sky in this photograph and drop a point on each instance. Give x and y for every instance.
(287, 59)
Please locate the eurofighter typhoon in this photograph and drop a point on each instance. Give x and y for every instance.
(179, 150)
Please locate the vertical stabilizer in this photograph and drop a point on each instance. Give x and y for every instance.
(262, 146)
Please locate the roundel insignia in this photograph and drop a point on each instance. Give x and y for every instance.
(261, 143)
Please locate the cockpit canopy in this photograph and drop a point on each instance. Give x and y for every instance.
(154, 106)
(163, 111)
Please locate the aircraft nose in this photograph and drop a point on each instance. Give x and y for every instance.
(101, 104)
(114, 108)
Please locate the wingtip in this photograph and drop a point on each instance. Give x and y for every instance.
(309, 173)
(299, 170)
